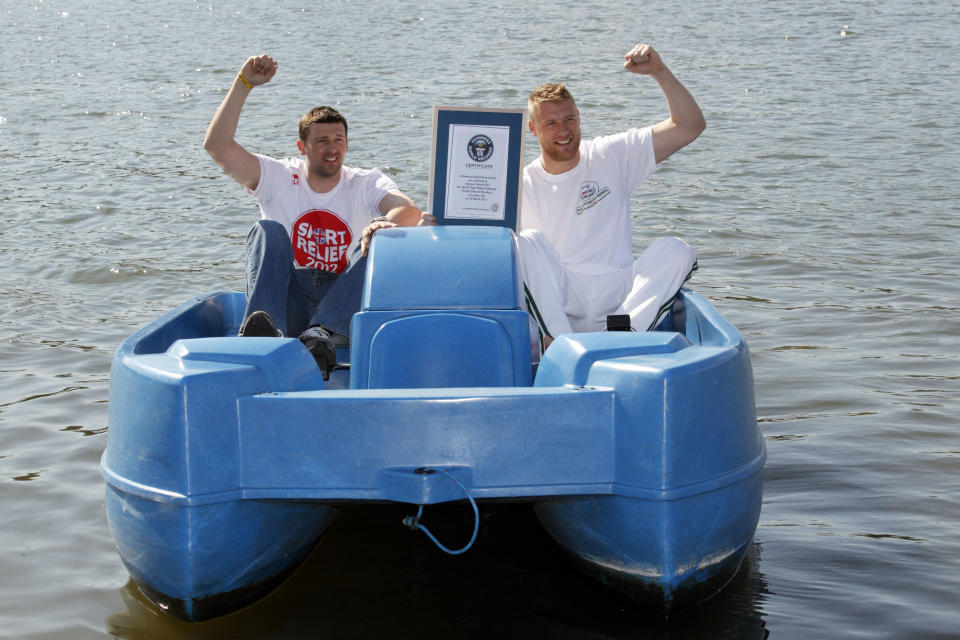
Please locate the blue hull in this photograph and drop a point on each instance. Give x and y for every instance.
(227, 456)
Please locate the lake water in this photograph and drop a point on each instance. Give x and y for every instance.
(822, 200)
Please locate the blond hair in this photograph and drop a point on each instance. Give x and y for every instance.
(548, 93)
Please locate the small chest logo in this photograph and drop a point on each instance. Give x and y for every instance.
(590, 194)
(480, 148)
(296, 179)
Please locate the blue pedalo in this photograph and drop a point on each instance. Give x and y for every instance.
(639, 451)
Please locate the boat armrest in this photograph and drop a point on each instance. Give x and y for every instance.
(569, 358)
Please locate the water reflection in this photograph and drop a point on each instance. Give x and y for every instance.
(371, 577)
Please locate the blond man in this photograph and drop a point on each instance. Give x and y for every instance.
(575, 234)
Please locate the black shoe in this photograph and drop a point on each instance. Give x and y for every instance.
(260, 324)
(618, 323)
(318, 341)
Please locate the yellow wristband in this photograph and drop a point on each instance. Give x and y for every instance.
(244, 81)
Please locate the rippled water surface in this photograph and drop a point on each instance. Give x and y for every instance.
(822, 200)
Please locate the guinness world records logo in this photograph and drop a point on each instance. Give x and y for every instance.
(480, 148)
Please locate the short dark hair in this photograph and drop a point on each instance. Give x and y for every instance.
(320, 114)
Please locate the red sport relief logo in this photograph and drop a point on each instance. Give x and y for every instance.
(320, 241)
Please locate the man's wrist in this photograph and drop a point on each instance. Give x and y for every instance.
(661, 74)
(245, 82)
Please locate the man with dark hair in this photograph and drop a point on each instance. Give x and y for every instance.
(576, 233)
(304, 256)
(320, 114)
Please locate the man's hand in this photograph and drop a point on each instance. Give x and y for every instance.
(371, 229)
(643, 59)
(259, 70)
(403, 216)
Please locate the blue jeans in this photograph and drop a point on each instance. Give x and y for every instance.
(298, 298)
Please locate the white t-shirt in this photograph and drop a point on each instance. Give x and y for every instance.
(585, 212)
(323, 227)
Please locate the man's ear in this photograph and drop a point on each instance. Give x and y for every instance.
(302, 149)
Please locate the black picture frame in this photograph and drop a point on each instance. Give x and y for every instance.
(446, 186)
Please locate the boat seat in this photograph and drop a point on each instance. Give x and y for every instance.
(441, 308)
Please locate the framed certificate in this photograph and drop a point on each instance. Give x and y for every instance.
(476, 165)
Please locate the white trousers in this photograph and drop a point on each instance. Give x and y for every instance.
(564, 298)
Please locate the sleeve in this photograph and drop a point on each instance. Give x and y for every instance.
(377, 186)
(273, 175)
(633, 151)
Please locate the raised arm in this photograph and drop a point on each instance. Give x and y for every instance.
(237, 162)
(686, 121)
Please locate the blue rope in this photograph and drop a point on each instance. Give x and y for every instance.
(413, 522)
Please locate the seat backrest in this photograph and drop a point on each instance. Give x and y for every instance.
(441, 308)
(440, 349)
